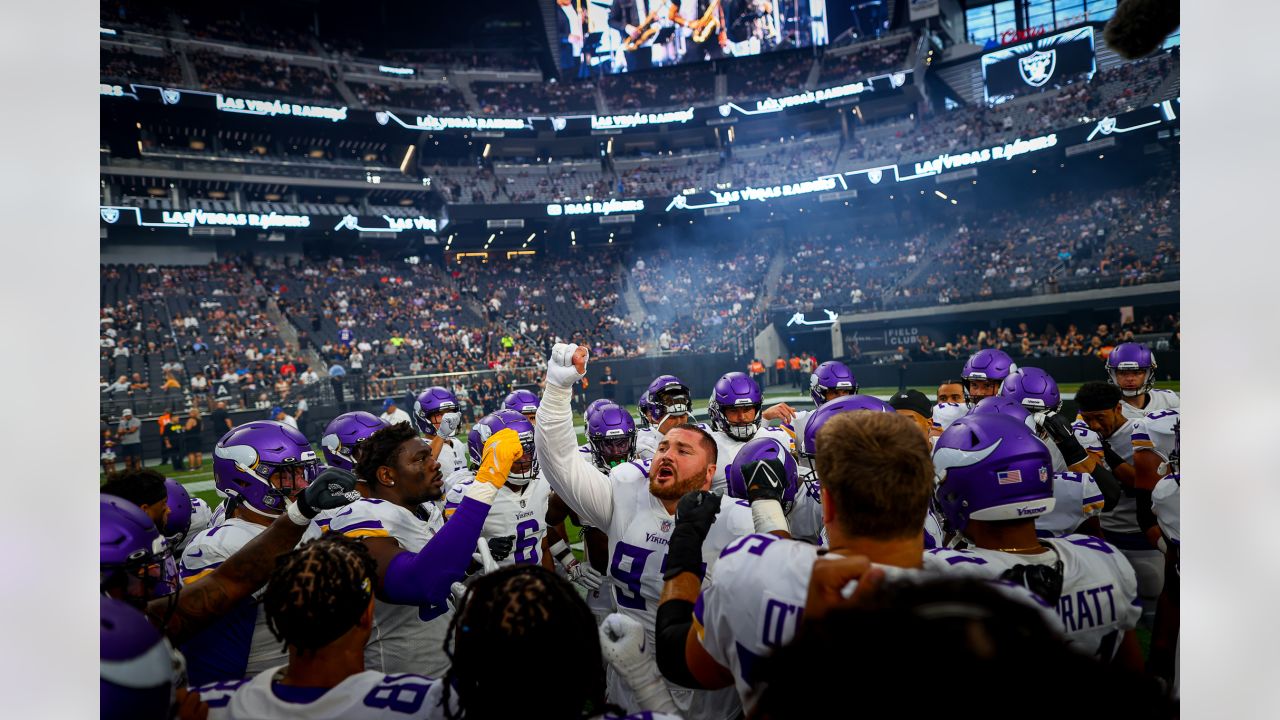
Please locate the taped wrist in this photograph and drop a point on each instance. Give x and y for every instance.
(296, 516)
(562, 552)
(675, 619)
(767, 516)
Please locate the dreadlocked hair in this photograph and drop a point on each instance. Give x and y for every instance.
(318, 592)
(380, 449)
(523, 611)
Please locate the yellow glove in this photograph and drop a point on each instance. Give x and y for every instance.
(501, 451)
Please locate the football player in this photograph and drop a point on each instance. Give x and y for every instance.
(436, 413)
(343, 436)
(136, 564)
(806, 519)
(524, 402)
(418, 560)
(734, 409)
(635, 507)
(983, 372)
(144, 488)
(1131, 526)
(951, 391)
(663, 405)
(188, 516)
(994, 480)
(140, 672)
(1132, 368)
(261, 466)
(516, 527)
(877, 479)
(830, 380)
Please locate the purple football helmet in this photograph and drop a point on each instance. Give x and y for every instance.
(611, 434)
(432, 400)
(135, 563)
(522, 401)
(500, 420)
(139, 670)
(1034, 388)
(991, 467)
(1001, 405)
(807, 436)
(180, 510)
(989, 364)
(1132, 356)
(831, 375)
(644, 405)
(247, 457)
(595, 405)
(763, 448)
(735, 389)
(667, 395)
(345, 432)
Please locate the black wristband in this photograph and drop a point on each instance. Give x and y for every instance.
(674, 620)
(1072, 452)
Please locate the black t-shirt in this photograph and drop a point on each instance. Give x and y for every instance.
(607, 383)
(218, 418)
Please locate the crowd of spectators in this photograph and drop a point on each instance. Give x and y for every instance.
(868, 60)
(518, 98)
(847, 269)
(680, 86)
(173, 337)
(260, 75)
(768, 75)
(697, 298)
(123, 65)
(428, 98)
(1046, 340)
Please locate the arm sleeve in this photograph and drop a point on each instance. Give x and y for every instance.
(1108, 484)
(580, 485)
(424, 577)
(674, 621)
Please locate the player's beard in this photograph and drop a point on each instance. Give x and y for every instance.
(676, 489)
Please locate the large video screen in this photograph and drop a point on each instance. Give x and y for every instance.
(1044, 62)
(614, 36)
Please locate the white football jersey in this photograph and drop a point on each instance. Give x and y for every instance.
(201, 520)
(1155, 432)
(406, 638)
(1099, 600)
(1123, 518)
(1166, 501)
(1157, 400)
(647, 439)
(804, 520)
(727, 449)
(453, 456)
(513, 513)
(945, 413)
(370, 695)
(1076, 498)
(238, 644)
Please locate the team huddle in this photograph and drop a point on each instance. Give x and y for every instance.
(410, 572)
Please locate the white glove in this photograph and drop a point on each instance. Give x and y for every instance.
(622, 642)
(449, 424)
(456, 591)
(560, 369)
(583, 575)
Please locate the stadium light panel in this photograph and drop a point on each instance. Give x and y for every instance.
(487, 147)
(940, 194)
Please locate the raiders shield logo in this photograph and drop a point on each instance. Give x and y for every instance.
(1107, 125)
(726, 110)
(898, 79)
(170, 97)
(875, 176)
(1037, 68)
(381, 117)
(558, 123)
(110, 215)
